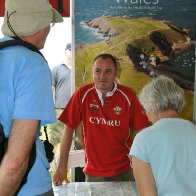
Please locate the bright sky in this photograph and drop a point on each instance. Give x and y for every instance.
(58, 37)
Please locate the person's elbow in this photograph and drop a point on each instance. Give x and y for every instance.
(15, 166)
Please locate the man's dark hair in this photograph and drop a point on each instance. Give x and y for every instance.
(107, 56)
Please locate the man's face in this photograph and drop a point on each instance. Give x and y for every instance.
(68, 54)
(104, 74)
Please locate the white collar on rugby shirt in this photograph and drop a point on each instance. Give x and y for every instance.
(109, 94)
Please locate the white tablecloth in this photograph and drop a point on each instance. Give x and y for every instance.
(96, 189)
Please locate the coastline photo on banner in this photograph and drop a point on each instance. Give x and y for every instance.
(149, 39)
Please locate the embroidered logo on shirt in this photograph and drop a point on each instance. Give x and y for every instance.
(117, 110)
(93, 107)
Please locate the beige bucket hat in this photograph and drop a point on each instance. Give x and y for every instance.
(27, 17)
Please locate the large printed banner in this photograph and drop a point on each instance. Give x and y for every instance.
(149, 38)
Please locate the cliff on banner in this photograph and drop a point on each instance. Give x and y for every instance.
(150, 44)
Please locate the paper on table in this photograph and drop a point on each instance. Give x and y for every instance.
(95, 189)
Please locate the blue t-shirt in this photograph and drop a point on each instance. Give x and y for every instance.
(169, 146)
(25, 93)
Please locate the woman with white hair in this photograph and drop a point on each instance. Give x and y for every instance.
(164, 154)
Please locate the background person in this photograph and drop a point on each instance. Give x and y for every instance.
(61, 86)
(163, 155)
(108, 111)
(26, 101)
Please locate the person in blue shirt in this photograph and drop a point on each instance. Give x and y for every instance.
(26, 100)
(164, 155)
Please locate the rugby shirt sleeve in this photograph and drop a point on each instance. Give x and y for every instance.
(139, 119)
(72, 114)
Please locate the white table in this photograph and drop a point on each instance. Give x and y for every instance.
(96, 189)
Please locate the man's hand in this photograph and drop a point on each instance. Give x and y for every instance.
(60, 176)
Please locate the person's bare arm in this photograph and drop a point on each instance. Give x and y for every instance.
(15, 161)
(144, 178)
(53, 89)
(61, 172)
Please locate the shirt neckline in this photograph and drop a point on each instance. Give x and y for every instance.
(109, 94)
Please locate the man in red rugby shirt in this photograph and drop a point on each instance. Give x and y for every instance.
(107, 111)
